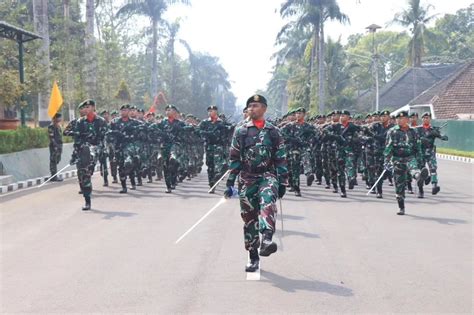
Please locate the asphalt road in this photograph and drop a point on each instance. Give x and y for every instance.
(335, 255)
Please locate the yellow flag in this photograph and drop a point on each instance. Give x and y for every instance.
(55, 101)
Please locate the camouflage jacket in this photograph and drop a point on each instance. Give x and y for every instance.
(90, 132)
(172, 132)
(401, 144)
(427, 137)
(256, 151)
(122, 132)
(214, 133)
(298, 136)
(69, 130)
(379, 134)
(54, 134)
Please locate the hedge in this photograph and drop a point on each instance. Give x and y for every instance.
(24, 138)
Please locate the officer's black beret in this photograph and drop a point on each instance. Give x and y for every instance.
(330, 113)
(337, 112)
(402, 113)
(376, 113)
(114, 112)
(346, 112)
(385, 112)
(103, 112)
(368, 115)
(257, 99)
(125, 106)
(171, 106)
(141, 110)
(212, 107)
(133, 107)
(414, 114)
(86, 103)
(426, 114)
(245, 109)
(300, 110)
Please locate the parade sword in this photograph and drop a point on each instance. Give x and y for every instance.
(54, 175)
(217, 183)
(378, 180)
(281, 216)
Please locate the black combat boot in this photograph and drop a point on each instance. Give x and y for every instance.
(297, 192)
(114, 181)
(351, 184)
(410, 188)
(343, 192)
(401, 206)
(335, 190)
(421, 176)
(87, 206)
(268, 247)
(379, 190)
(124, 187)
(139, 183)
(132, 181)
(435, 189)
(254, 262)
(421, 193)
(106, 181)
(310, 179)
(168, 190)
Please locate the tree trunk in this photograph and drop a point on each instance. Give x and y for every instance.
(90, 49)
(154, 61)
(313, 76)
(322, 74)
(41, 26)
(67, 57)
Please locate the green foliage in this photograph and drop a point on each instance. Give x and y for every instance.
(469, 154)
(24, 138)
(123, 94)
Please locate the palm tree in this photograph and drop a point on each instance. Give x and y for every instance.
(153, 9)
(313, 14)
(415, 17)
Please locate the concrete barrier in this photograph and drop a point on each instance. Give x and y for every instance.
(33, 163)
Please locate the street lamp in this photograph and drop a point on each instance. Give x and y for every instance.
(372, 29)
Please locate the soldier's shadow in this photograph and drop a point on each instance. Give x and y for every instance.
(446, 221)
(108, 215)
(294, 285)
(287, 233)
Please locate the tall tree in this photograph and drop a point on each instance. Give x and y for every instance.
(153, 9)
(91, 53)
(416, 18)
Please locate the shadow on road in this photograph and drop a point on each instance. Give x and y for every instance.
(446, 221)
(108, 215)
(293, 285)
(287, 233)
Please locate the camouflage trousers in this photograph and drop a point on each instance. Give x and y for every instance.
(325, 164)
(378, 168)
(258, 195)
(308, 162)
(370, 166)
(350, 163)
(429, 158)
(170, 165)
(215, 162)
(294, 168)
(54, 158)
(128, 159)
(113, 162)
(336, 158)
(104, 171)
(403, 168)
(318, 163)
(87, 159)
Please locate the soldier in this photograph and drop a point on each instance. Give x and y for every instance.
(379, 132)
(55, 146)
(401, 152)
(89, 134)
(428, 135)
(123, 133)
(257, 153)
(317, 149)
(214, 132)
(171, 129)
(350, 143)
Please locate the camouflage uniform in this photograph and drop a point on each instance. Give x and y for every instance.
(259, 156)
(350, 145)
(55, 147)
(336, 155)
(379, 134)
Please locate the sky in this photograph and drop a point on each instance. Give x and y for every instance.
(242, 33)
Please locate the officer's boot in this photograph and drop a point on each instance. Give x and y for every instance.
(435, 189)
(106, 181)
(409, 187)
(254, 262)
(421, 193)
(132, 181)
(328, 185)
(343, 192)
(124, 187)
(379, 190)
(310, 179)
(297, 192)
(401, 206)
(139, 183)
(335, 190)
(87, 205)
(268, 247)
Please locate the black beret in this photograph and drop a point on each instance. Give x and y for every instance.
(125, 106)
(57, 115)
(141, 110)
(171, 106)
(212, 107)
(426, 114)
(86, 103)
(368, 115)
(133, 107)
(345, 112)
(114, 112)
(300, 110)
(245, 109)
(414, 114)
(385, 112)
(103, 112)
(402, 113)
(330, 113)
(257, 99)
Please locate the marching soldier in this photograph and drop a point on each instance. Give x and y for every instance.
(257, 153)
(401, 153)
(55, 146)
(89, 135)
(428, 135)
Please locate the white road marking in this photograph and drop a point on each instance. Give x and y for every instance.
(221, 201)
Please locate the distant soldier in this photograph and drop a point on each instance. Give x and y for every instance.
(89, 135)
(258, 154)
(55, 146)
(428, 135)
(401, 153)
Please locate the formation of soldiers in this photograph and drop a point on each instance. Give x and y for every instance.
(264, 157)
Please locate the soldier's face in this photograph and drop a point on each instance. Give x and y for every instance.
(212, 113)
(426, 120)
(402, 121)
(336, 118)
(124, 113)
(256, 110)
(171, 113)
(345, 119)
(375, 118)
(385, 118)
(300, 115)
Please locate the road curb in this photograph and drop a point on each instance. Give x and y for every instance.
(36, 181)
(454, 158)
